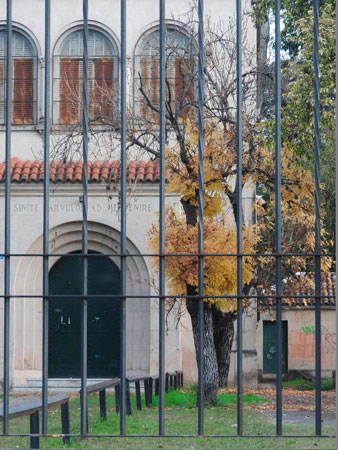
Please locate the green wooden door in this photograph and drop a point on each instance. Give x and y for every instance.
(270, 346)
(65, 318)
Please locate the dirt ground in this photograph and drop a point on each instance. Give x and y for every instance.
(293, 399)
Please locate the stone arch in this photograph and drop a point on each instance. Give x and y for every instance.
(66, 238)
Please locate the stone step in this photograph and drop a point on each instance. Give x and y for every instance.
(26, 388)
(62, 381)
(61, 385)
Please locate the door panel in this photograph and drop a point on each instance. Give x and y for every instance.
(270, 347)
(65, 318)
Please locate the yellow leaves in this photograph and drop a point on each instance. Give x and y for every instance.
(220, 272)
(183, 175)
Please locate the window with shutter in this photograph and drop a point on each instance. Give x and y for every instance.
(24, 79)
(102, 79)
(180, 78)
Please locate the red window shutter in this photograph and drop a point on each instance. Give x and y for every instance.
(102, 93)
(184, 84)
(155, 81)
(145, 82)
(154, 87)
(70, 97)
(23, 91)
(2, 91)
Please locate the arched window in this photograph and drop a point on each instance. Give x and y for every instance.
(180, 77)
(102, 79)
(24, 79)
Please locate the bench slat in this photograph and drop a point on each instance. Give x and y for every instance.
(102, 385)
(25, 408)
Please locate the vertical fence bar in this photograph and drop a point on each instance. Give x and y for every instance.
(84, 299)
(7, 246)
(239, 214)
(278, 220)
(317, 220)
(200, 398)
(162, 222)
(123, 221)
(45, 286)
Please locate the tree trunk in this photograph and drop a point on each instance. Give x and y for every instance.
(209, 353)
(210, 359)
(223, 337)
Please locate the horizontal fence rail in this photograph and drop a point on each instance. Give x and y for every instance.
(163, 380)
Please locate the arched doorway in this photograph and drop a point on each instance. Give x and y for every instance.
(65, 318)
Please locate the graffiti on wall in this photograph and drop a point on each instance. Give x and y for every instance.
(302, 346)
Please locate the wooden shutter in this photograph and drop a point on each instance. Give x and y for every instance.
(102, 94)
(144, 79)
(149, 66)
(23, 96)
(155, 81)
(184, 84)
(2, 91)
(69, 94)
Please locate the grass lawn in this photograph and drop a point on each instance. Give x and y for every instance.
(181, 418)
(309, 385)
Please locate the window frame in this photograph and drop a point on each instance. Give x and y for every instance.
(56, 60)
(36, 80)
(173, 25)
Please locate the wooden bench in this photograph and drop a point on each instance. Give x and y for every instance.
(147, 388)
(101, 389)
(174, 380)
(33, 407)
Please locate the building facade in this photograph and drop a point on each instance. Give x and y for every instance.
(66, 190)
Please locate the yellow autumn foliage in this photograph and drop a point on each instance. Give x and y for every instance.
(298, 216)
(183, 178)
(220, 273)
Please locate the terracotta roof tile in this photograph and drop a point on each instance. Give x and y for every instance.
(71, 172)
(299, 285)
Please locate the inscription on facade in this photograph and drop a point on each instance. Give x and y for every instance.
(132, 207)
(26, 207)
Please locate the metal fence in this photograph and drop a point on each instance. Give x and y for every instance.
(278, 255)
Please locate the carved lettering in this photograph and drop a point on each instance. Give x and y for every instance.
(26, 207)
(57, 208)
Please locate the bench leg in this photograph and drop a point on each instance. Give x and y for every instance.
(35, 429)
(117, 398)
(150, 381)
(103, 405)
(129, 411)
(65, 424)
(166, 383)
(146, 393)
(156, 387)
(138, 396)
(87, 423)
(176, 382)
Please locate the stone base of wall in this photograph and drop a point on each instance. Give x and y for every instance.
(250, 379)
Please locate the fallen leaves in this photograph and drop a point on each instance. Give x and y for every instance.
(293, 399)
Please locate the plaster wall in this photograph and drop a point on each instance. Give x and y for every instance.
(28, 15)
(301, 339)
(65, 237)
(65, 205)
